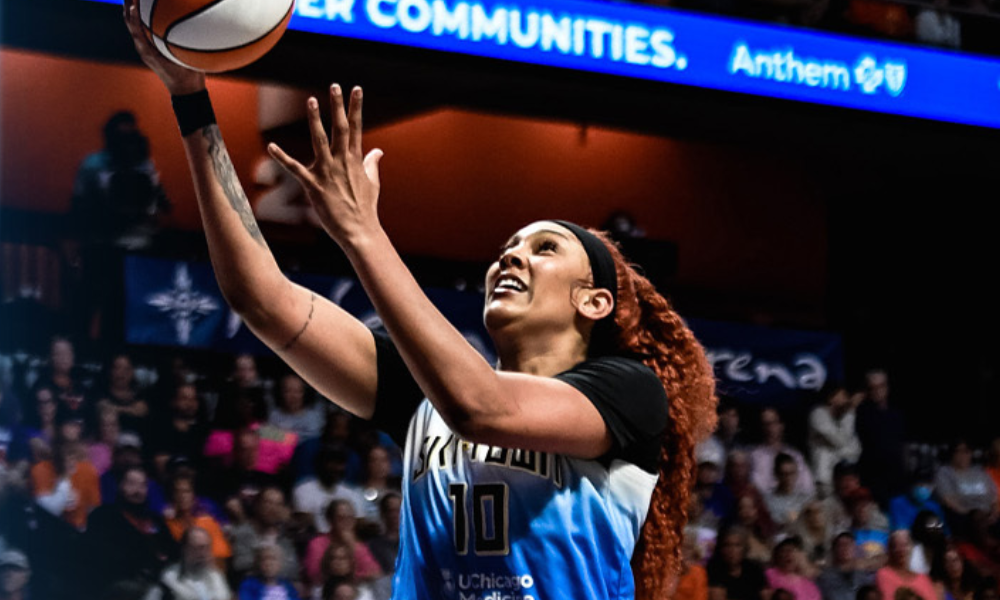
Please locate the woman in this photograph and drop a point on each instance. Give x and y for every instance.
(297, 411)
(343, 532)
(377, 482)
(789, 570)
(953, 578)
(897, 573)
(507, 467)
(816, 533)
(731, 575)
(122, 395)
(34, 437)
(747, 516)
(338, 564)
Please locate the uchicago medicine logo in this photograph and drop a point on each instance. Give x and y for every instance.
(867, 74)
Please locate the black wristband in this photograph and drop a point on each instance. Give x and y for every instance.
(193, 111)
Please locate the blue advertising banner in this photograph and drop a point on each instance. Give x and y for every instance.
(177, 303)
(764, 365)
(679, 47)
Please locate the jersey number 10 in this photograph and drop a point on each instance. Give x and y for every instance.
(489, 518)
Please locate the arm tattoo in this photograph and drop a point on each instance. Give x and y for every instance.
(226, 173)
(312, 307)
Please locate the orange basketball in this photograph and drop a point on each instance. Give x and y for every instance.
(215, 35)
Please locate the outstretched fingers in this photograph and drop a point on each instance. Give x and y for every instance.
(354, 120)
(297, 169)
(338, 121)
(320, 144)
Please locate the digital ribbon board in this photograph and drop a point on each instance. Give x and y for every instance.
(678, 47)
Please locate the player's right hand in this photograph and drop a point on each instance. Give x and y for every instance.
(179, 80)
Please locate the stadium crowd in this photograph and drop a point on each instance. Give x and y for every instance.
(179, 482)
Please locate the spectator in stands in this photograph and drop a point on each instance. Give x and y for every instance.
(297, 409)
(268, 518)
(982, 547)
(183, 432)
(936, 25)
(758, 538)
(897, 573)
(184, 513)
(339, 564)
(953, 577)
(102, 448)
(127, 539)
(67, 485)
(122, 395)
(929, 541)
(789, 570)
(880, 428)
(33, 439)
(815, 531)
(873, 542)
(236, 485)
(385, 545)
(737, 479)
(786, 501)
(62, 378)
(843, 579)
(693, 580)
(762, 457)
(903, 508)
(336, 432)
(731, 576)
(245, 399)
(15, 575)
(195, 576)
(343, 531)
(832, 437)
(378, 482)
(116, 206)
(314, 495)
(846, 482)
(272, 448)
(727, 435)
(964, 487)
(266, 582)
(126, 455)
(717, 501)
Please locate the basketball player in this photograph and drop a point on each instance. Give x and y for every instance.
(540, 478)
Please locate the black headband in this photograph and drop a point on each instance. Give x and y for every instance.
(602, 266)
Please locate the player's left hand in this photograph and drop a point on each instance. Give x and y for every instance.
(342, 183)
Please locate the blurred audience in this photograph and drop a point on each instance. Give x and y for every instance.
(762, 457)
(896, 573)
(832, 437)
(195, 576)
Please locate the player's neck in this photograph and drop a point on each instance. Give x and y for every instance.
(545, 356)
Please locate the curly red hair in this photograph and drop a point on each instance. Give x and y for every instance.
(648, 326)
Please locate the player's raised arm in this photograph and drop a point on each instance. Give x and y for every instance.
(326, 345)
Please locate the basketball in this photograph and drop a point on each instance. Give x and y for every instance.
(215, 35)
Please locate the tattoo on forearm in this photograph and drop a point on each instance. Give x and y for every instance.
(312, 307)
(226, 173)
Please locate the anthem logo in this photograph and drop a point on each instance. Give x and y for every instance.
(867, 74)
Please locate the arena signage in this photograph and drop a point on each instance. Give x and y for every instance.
(678, 47)
(178, 303)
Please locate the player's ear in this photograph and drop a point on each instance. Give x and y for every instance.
(595, 304)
